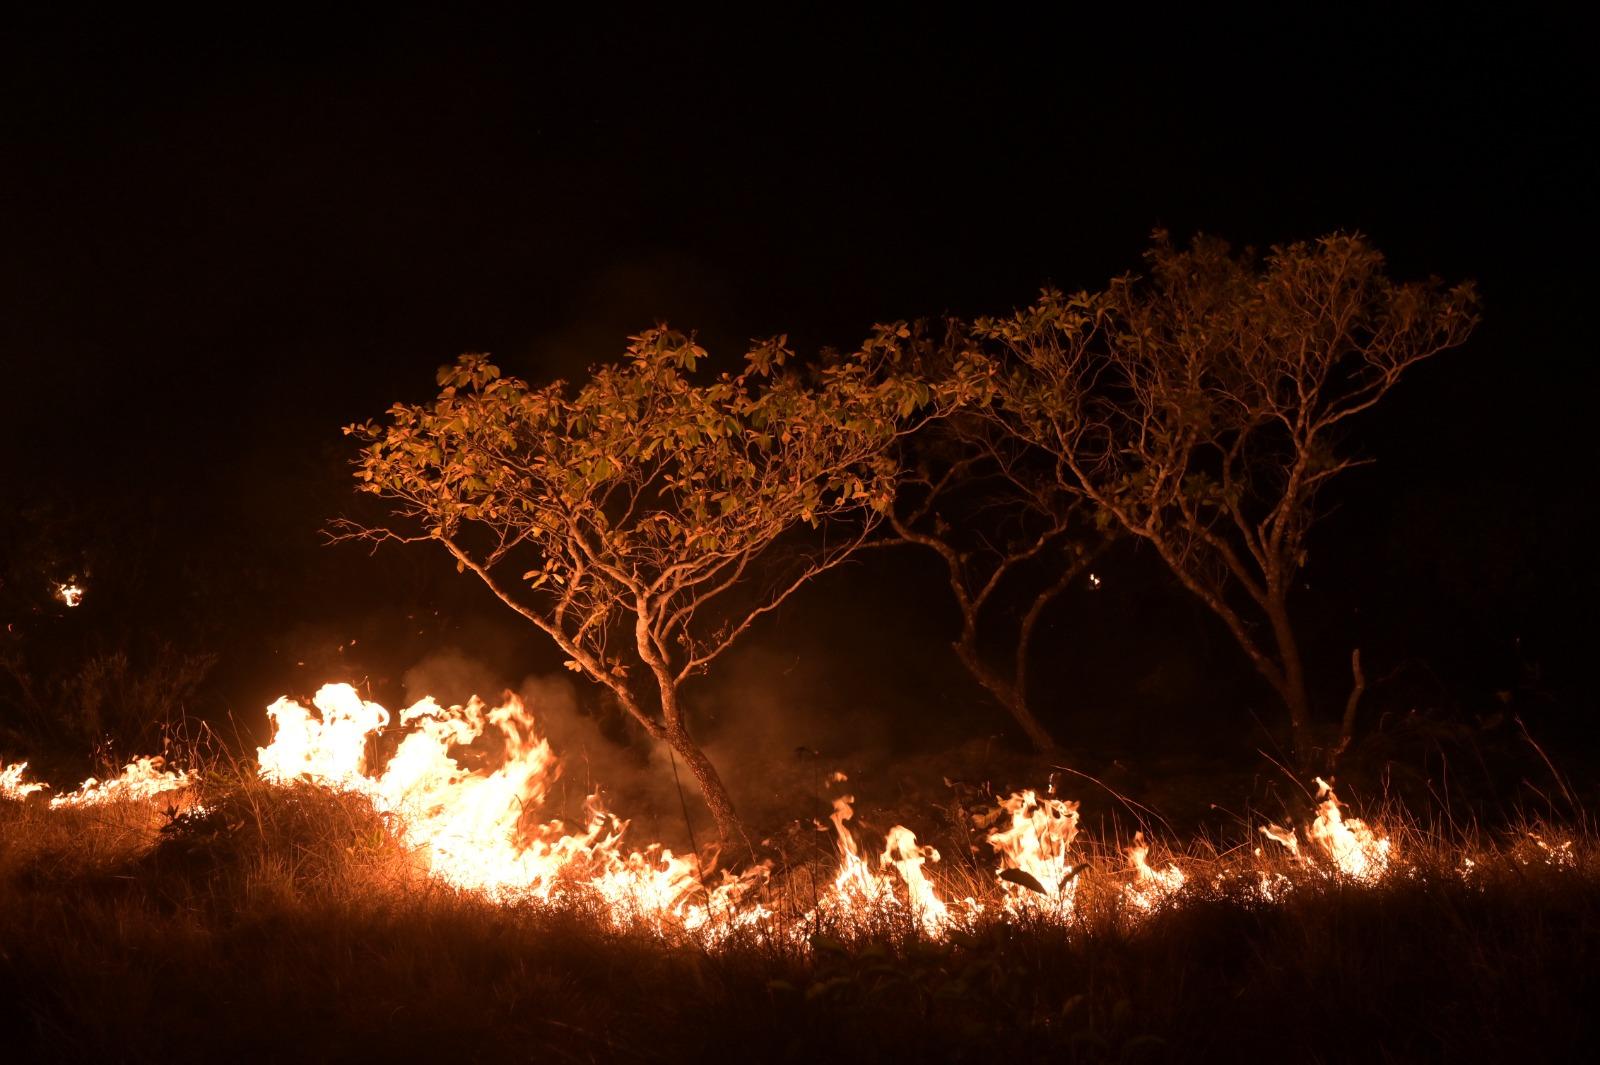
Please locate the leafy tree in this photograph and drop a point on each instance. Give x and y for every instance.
(645, 521)
(1205, 406)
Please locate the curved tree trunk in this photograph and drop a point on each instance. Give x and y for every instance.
(675, 732)
(1036, 732)
(712, 790)
(1008, 695)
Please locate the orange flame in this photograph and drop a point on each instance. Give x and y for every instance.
(479, 824)
(1035, 868)
(1353, 849)
(1151, 887)
(478, 829)
(12, 786)
(901, 851)
(142, 778)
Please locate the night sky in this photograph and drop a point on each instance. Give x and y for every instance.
(223, 242)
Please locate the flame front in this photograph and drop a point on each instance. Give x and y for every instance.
(479, 830)
(142, 778)
(465, 789)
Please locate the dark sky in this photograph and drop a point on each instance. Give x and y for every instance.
(222, 242)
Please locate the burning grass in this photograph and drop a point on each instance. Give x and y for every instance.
(305, 905)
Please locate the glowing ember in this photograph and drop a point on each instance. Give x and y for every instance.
(1151, 887)
(142, 778)
(70, 593)
(1559, 855)
(1273, 886)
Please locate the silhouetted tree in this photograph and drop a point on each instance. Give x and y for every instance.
(1202, 407)
(1011, 533)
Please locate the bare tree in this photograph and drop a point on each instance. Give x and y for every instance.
(1203, 408)
(645, 522)
(1012, 538)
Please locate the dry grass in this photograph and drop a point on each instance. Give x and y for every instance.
(286, 924)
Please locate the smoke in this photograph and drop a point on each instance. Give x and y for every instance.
(599, 750)
(777, 730)
(759, 717)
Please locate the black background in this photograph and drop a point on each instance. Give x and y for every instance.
(224, 241)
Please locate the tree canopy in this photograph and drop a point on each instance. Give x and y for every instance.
(637, 520)
(1205, 405)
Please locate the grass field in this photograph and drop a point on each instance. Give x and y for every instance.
(282, 923)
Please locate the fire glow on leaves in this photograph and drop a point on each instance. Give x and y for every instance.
(484, 829)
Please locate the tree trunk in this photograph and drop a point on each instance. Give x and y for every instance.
(1347, 724)
(1292, 689)
(717, 799)
(672, 732)
(1037, 733)
(676, 734)
(1007, 695)
(1019, 667)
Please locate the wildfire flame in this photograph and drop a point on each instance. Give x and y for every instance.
(858, 890)
(465, 789)
(901, 851)
(1353, 849)
(12, 786)
(479, 829)
(1035, 867)
(142, 778)
(1151, 887)
(856, 882)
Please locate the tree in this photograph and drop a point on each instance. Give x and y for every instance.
(1205, 406)
(645, 522)
(1012, 535)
